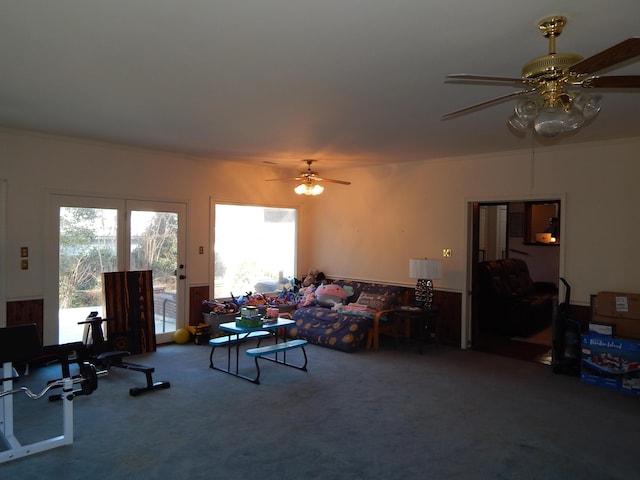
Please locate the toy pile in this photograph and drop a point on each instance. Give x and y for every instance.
(218, 307)
(306, 293)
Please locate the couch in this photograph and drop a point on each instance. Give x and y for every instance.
(509, 302)
(355, 323)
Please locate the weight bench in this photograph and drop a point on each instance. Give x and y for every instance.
(97, 346)
(18, 344)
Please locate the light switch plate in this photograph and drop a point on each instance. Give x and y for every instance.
(446, 252)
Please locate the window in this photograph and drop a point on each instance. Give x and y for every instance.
(254, 249)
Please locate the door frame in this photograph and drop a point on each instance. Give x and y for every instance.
(471, 226)
(3, 240)
(51, 263)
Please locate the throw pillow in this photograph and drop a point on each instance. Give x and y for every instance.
(377, 302)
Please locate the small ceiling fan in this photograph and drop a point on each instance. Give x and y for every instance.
(552, 99)
(310, 181)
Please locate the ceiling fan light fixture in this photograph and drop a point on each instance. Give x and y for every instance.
(550, 102)
(309, 189)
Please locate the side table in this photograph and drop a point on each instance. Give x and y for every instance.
(425, 321)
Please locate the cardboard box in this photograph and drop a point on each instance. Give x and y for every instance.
(618, 305)
(621, 310)
(611, 363)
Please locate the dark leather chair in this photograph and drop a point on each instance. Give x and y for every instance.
(509, 301)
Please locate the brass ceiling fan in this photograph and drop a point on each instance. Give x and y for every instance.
(553, 99)
(310, 181)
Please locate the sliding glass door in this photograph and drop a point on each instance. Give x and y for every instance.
(97, 235)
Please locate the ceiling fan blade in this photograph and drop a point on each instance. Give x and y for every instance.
(487, 78)
(621, 81)
(625, 50)
(485, 104)
(331, 180)
(290, 179)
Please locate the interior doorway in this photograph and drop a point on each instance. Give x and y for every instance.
(513, 228)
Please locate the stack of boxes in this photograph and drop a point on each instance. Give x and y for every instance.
(611, 349)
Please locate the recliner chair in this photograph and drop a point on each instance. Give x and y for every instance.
(509, 301)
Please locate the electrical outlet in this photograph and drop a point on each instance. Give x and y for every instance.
(201, 250)
(446, 252)
(24, 264)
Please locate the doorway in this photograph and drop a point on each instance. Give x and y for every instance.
(507, 229)
(95, 235)
(3, 229)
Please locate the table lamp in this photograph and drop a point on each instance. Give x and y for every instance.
(425, 271)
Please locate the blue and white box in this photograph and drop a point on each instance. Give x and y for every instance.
(611, 362)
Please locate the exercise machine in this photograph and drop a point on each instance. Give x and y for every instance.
(566, 354)
(99, 353)
(19, 344)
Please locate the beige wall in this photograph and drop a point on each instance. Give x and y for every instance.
(392, 213)
(36, 165)
(367, 230)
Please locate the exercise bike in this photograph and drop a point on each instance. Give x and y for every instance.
(98, 351)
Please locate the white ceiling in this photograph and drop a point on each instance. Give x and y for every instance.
(342, 81)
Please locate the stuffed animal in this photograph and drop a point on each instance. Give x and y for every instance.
(308, 296)
(314, 277)
(310, 279)
(328, 295)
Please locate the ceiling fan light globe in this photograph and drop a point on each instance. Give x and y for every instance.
(573, 120)
(527, 109)
(316, 190)
(551, 121)
(589, 105)
(518, 123)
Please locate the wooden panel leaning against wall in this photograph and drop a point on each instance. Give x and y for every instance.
(449, 305)
(26, 311)
(197, 295)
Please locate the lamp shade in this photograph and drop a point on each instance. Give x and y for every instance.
(425, 268)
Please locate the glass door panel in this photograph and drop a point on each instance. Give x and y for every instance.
(156, 243)
(87, 247)
(154, 246)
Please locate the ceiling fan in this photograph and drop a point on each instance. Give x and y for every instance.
(553, 99)
(310, 181)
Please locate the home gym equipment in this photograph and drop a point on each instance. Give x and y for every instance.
(565, 338)
(98, 351)
(19, 344)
